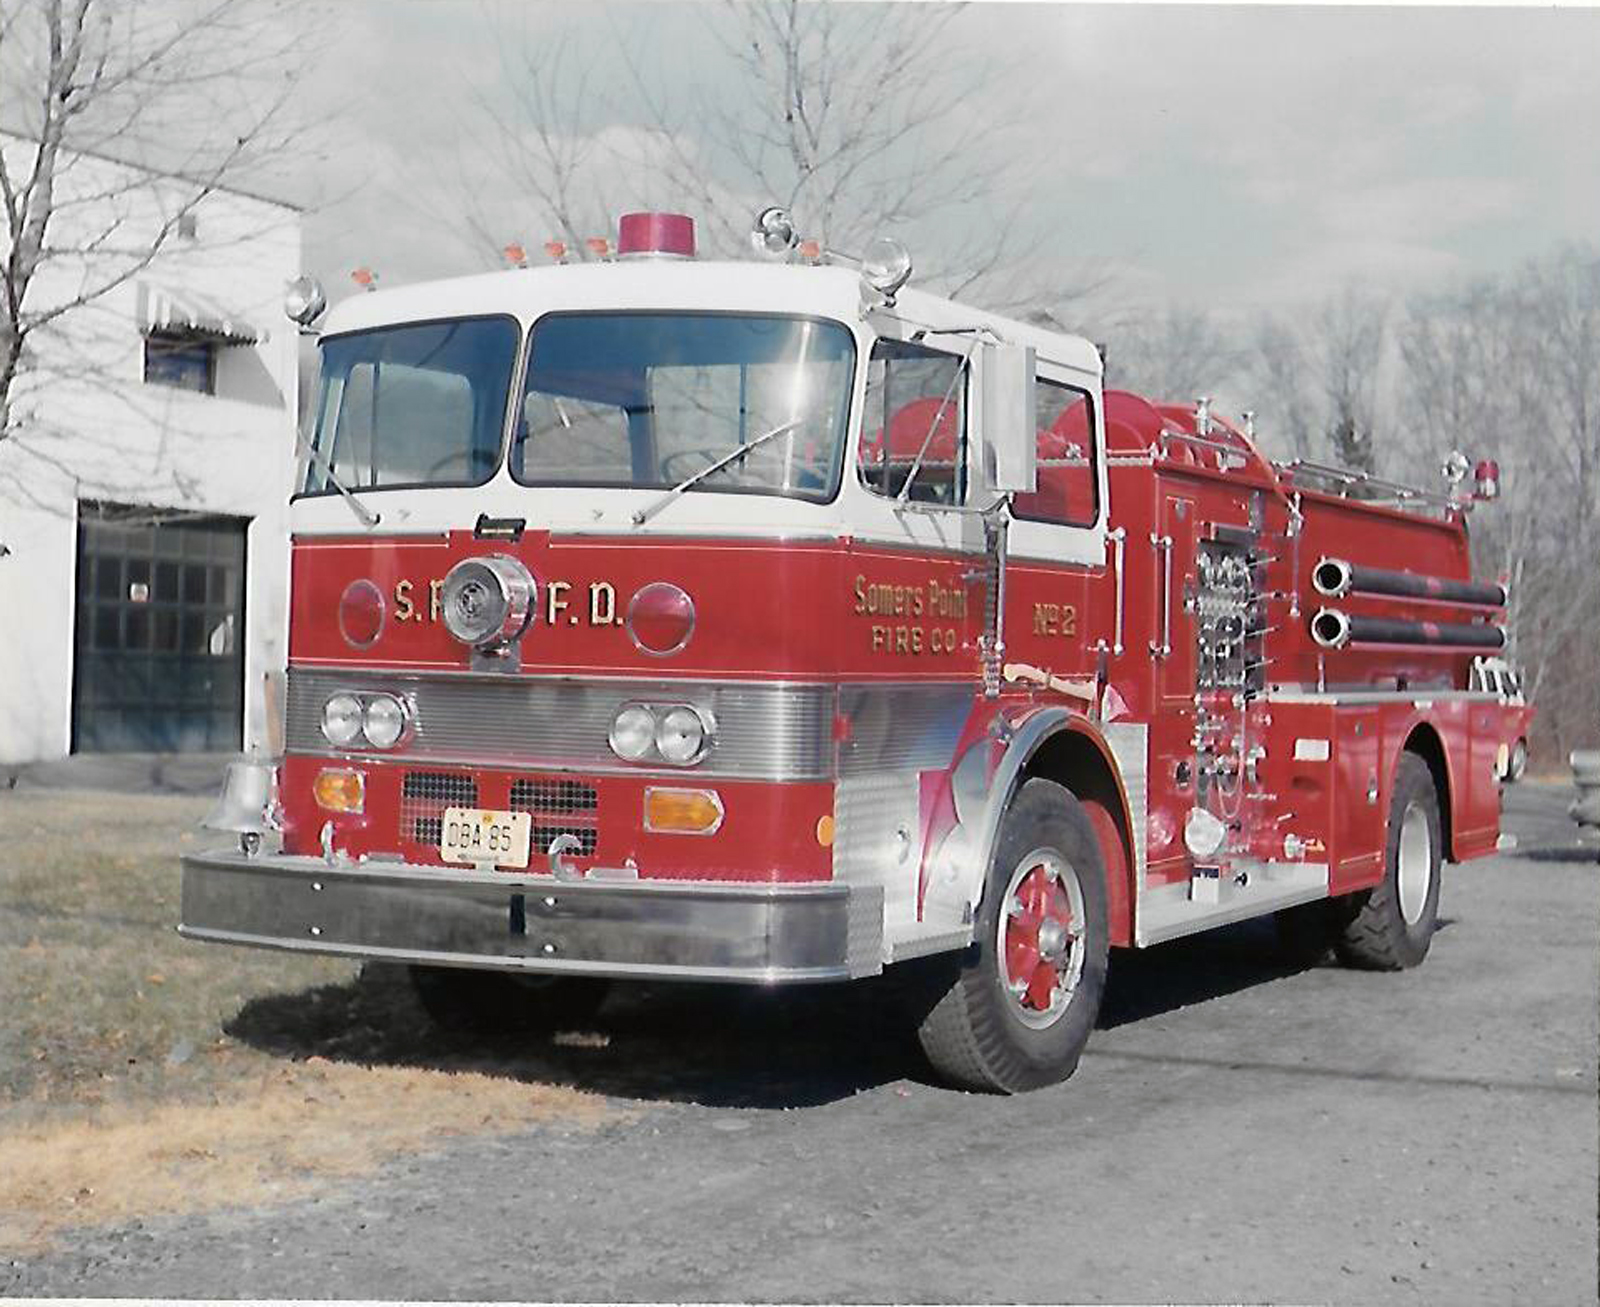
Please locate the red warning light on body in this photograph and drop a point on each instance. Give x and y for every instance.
(361, 613)
(656, 233)
(660, 618)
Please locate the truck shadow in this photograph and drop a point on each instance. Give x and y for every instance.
(715, 1045)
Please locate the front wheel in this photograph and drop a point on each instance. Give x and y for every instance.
(1018, 1009)
(1392, 924)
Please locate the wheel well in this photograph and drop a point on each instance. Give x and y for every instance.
(1073, 760)
(1425, 743)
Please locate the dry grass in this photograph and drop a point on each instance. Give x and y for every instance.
(142, 1074)
(274, 1140)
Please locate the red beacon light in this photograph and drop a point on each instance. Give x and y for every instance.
(1486, 479)
(656, 235)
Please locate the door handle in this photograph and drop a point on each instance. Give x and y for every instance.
(1164, 544)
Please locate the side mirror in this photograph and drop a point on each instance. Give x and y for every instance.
(1010, 432)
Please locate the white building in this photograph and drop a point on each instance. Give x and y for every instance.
(143, 494)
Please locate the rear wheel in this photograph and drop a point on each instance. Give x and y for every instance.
(1519, 761)
(459, 998)
(1392, 924)
(1018, 1007)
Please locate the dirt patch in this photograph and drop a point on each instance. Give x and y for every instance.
(276, 1139)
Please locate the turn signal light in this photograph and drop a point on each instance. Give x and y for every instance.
(340, 790)
(684, 812)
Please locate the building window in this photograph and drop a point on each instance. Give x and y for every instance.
(181, 361)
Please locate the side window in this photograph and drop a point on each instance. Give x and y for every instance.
(914, 424)
(411, 406)
(1068, 490)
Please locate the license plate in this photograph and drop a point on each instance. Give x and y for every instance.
(485, 836)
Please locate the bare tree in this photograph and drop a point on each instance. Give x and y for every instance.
(860, 119)
(1278, 370)
(195, 95)
(1174, 355)
(1505, 368)
(1318, 378)
(1350, 344)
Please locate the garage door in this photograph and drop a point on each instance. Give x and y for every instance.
(159, 662)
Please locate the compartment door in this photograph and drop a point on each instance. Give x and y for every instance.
(1360, 802)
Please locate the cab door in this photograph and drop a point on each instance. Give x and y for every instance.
(1057, 533)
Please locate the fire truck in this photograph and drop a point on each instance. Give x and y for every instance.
(775, 622)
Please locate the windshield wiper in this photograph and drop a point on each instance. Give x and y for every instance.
(733, 455)
(364, 514)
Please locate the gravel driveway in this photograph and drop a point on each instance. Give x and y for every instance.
(1237, 1131)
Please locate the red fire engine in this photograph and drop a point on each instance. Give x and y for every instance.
(774, 622)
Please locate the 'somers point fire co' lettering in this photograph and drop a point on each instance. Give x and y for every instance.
(898, 599)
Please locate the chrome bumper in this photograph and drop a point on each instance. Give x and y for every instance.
(643, 929)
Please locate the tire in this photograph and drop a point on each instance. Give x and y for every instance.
(1391, 925)
(484, 1002)
(1519, 761)
(1048, 879)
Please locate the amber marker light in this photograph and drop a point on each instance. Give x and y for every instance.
(682, 812)
(337, 789)
(825, 830)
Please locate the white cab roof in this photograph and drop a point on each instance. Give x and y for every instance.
(662, 283)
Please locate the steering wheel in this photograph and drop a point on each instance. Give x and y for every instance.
(667, 470)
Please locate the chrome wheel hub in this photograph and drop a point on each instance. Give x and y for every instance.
(1414, 869)
(1039, 941)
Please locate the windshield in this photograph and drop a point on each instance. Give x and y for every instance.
(420, 405)
(647, 400)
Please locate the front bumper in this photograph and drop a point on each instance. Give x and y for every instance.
(684, 930)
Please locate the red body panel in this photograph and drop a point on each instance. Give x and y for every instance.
(770, 832)
(1327, 726)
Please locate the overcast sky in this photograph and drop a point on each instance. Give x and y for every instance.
(1233, 157)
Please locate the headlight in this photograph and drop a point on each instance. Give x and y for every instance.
(681, 736)
(384, 721)
(341, 719)
(633, 732)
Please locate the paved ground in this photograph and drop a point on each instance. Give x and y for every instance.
(1236, 1132)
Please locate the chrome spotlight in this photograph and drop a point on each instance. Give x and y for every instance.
(886, 266)
(304, 301)
(488, 602)
(773, 233)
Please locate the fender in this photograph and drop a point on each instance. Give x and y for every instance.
(1424, 738)
(983, 782)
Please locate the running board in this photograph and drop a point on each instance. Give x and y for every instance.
(1186, 907)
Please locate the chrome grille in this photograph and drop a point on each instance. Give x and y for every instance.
(764, 732)
(558, 807)
(424, 795)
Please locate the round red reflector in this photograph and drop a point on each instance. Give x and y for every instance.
(361, 613)
(656, 233)
(660, 618)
